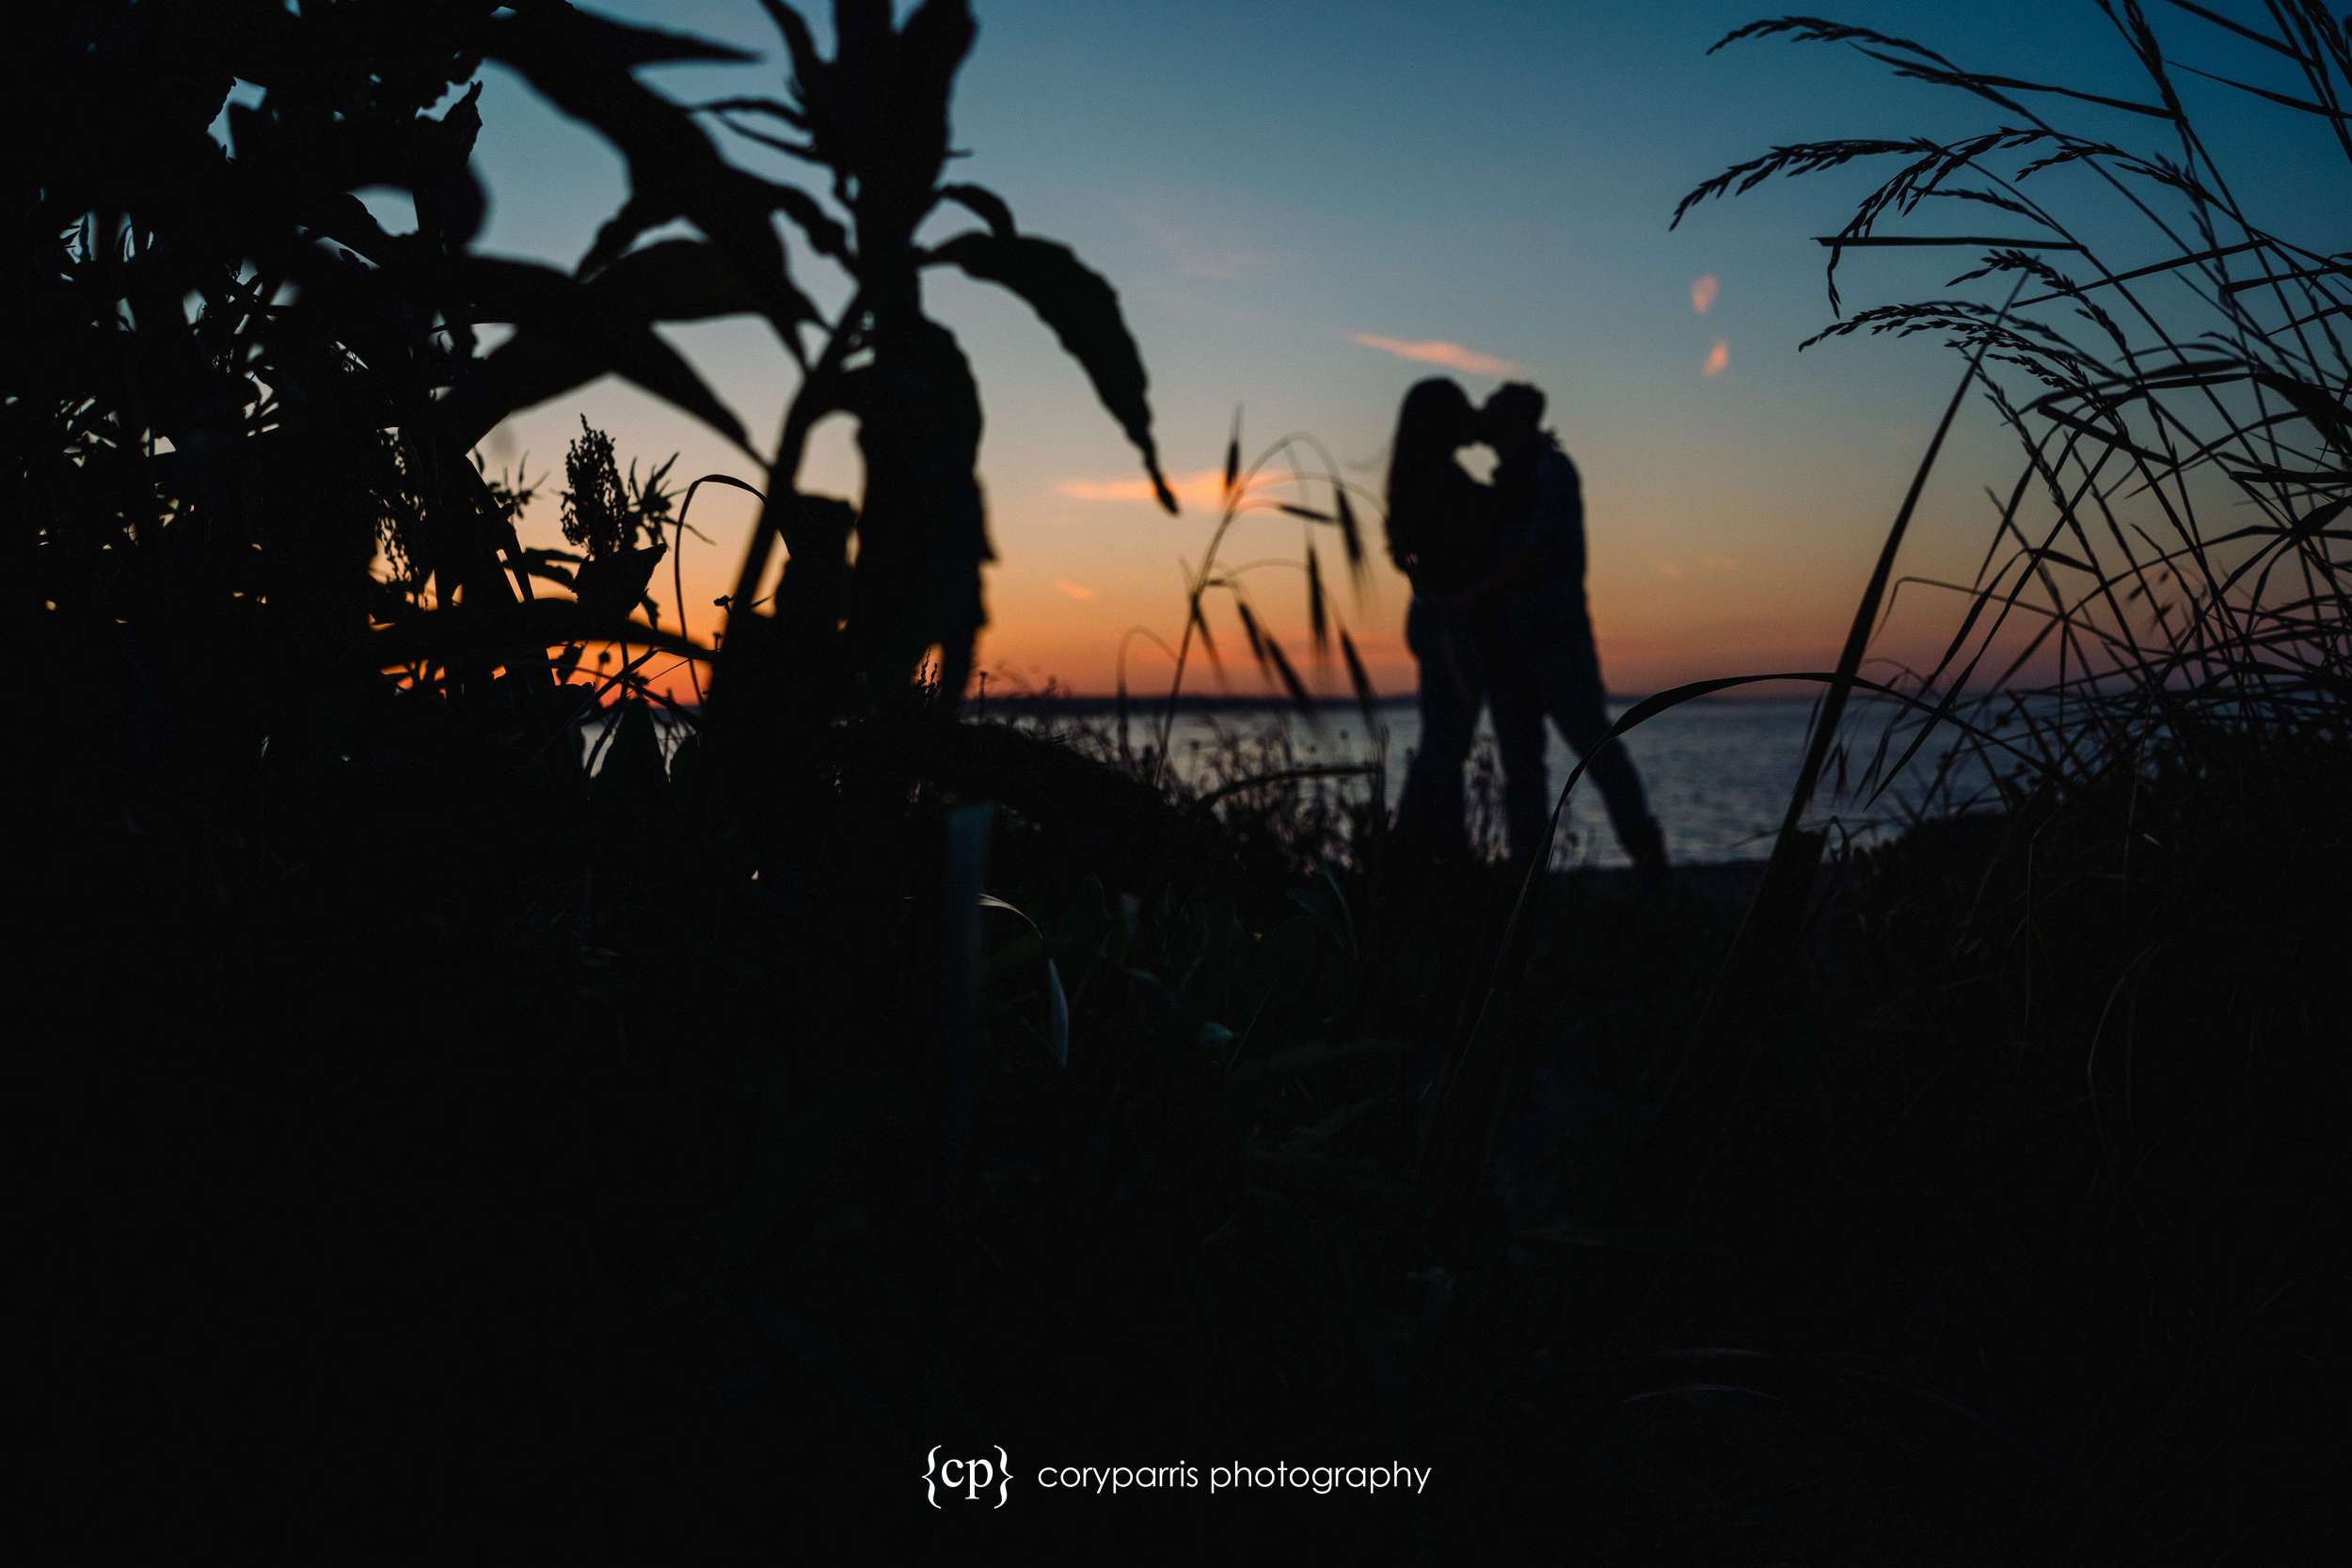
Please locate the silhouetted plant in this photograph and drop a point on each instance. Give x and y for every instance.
(873, 120)
(2175, 620)
(227, 471)
(603, 514)
(326, 392)
(1258, 488)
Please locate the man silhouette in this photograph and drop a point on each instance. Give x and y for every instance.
(1543, 663)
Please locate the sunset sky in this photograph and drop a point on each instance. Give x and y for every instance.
(1306, 207)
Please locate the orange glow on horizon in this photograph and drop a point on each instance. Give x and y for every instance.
(1653, 651)
(1686, 582)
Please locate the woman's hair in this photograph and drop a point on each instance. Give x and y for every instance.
(1429, 429)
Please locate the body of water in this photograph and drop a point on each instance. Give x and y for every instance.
(1716, 772)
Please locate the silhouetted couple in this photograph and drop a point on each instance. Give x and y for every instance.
(1499, 619)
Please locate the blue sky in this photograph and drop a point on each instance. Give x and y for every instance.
(1267, 185)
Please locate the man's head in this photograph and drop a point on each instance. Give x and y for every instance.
(1513, 416)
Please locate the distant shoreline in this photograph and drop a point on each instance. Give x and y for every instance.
(1088, 706)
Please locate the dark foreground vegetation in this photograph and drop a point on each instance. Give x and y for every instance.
(428, 1149)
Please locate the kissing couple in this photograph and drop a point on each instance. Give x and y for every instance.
(1499, 620)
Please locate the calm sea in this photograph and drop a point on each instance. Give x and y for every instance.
(1718, 772)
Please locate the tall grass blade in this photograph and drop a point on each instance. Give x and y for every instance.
(1208, 644)
(1232, 457)
(1056, 1003)
(1367, 699)
(1318, 616)
(1296, 688)
(1251, 629)
(1666, 1170)
(2249, 34)
(1351, 534)
(1125, 751)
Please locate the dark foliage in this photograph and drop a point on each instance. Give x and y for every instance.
(447, 1138)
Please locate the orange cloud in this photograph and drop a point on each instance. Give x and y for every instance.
(1703, 289)
(1075, 589)
(1436, 350)
(1669, 568)
(1205, 488)
(1717, 358)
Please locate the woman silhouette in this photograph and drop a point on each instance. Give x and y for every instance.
(1441, 535)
